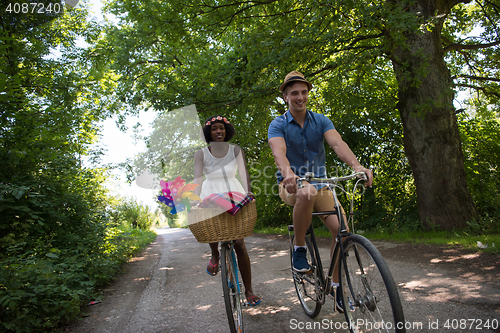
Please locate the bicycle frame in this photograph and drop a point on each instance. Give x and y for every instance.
(235, 263)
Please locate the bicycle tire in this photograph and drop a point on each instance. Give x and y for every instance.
(368, 289)
(231, 289)
(307, 285)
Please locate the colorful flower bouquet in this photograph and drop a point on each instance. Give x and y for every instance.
(177, 195)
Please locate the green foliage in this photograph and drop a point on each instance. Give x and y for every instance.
(134, 214)
(173, 220)
(472, 52)
(484, 225)
(171, 146)
(49, 113)
(229, 58)
(41, 288)
(482, 163)
(55, 244)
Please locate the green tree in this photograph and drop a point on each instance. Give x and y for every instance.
(133, 213)
(50, 104)
(171, 146)
(482, 148)
(56, 246)
(365, 59)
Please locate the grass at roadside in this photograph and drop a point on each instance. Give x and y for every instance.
(133, 240)
(487, 243)
(44, 287)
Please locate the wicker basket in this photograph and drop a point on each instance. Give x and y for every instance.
(222, 227)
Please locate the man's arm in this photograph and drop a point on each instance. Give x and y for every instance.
(345, 153)
(278, 147)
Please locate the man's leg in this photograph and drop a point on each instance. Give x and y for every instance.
(303, 202)
(332, 223)
(302, 213)
(324, 202)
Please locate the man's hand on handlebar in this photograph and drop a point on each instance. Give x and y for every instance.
(368, 173)
(290, 184)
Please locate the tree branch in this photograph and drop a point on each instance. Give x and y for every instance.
(479, 78)
(229, 19)
(459, 47)
(453, 3)
(485, 91)
(148, 62)
(495, 6)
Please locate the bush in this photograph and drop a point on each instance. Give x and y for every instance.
(134, 214)
(43, 288)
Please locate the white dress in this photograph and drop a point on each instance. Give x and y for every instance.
(220, 173)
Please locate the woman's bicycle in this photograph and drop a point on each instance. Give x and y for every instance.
(231, 286)
(368, 291)
(208, 225)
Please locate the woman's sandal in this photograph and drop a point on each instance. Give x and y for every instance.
(251, 299)
(216, 266)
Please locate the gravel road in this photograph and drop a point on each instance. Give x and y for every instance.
(166, 289)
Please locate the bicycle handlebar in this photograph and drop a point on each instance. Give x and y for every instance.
(309, 176)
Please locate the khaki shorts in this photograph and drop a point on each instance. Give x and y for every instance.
(324, 200)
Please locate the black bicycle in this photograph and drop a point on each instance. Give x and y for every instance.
(368, 291)
(231, 286)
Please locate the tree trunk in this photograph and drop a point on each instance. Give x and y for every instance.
(431, 137)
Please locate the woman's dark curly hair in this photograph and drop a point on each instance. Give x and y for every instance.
(207, 128)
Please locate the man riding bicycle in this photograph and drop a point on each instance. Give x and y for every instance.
(296, 140)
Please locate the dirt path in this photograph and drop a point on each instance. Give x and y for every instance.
(166, 289)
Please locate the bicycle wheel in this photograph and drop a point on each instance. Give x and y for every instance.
(231, 288)
(307, 284)
(369, 293)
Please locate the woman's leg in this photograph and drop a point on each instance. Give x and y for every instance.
(213, 264)
(245, 269)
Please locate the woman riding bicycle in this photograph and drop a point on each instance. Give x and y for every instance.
(220, 162)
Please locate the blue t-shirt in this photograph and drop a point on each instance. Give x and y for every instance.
(304, 146)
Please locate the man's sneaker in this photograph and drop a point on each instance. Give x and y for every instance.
(300, 263)
(335, 294)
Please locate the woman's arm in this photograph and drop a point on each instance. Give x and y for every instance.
(243, 170)
(198, 171)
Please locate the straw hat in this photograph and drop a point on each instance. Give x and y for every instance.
(292, 77)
